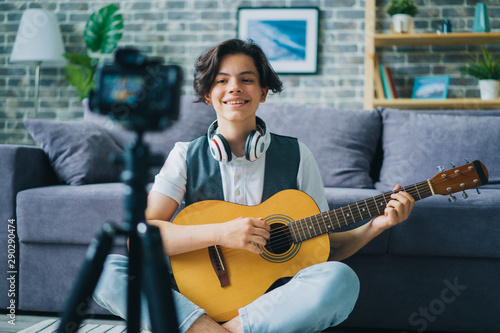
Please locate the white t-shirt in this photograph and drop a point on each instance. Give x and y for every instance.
(242, 180)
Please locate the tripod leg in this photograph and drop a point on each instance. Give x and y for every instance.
(80, 298)
(134, 284)
(157, 281)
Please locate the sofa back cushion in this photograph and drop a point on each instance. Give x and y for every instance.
(416, 142)
(343, 142)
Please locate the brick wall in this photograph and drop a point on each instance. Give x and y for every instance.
(180, 30)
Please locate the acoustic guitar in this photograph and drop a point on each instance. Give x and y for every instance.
(221, 280)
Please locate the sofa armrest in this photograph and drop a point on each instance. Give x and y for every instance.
(22, 167)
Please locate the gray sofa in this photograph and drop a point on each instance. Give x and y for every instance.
(436, 271)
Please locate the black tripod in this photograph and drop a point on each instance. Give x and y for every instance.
(146, 268)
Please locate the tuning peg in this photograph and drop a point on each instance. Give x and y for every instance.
(466, 160)
(452, 164)
(477, 190)
(440, 168)
(465, 195)
(452, 198)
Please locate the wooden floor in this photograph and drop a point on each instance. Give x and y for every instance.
(24, 321)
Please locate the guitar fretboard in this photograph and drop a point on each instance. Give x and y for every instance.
(319, 224)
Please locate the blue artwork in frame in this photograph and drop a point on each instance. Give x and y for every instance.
(431, 87)
(288, 36)
(282, 40)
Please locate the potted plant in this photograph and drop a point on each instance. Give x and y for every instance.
(102, 34)
(401, 12)
(487, 71)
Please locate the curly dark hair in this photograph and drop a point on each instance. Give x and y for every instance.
(207, 66)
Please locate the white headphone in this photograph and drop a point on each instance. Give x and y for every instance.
(255, 146)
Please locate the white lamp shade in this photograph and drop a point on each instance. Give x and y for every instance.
(38, 38)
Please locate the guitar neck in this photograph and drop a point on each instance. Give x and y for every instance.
(319, 224)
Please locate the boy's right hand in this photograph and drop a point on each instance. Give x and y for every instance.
(244, 233)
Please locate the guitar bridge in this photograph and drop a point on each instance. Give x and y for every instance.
(219, 265)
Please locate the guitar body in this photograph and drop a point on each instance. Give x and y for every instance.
(249, 274)
(292, 215)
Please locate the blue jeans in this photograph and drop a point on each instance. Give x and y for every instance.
(318, 297)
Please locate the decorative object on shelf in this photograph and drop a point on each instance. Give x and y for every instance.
(446, 26)
(481, 19)
(38, 41)
(402, 12)
(102, 33)
(431, 87)
(487, 71)
(288, 36)
(489, 89)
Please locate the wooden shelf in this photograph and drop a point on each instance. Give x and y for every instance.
(449, 103)
(454, 38)
(374, 40)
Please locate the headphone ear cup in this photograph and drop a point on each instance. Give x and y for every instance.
(220, 149)
(252, 149)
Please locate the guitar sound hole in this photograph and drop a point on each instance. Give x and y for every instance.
(279, 242)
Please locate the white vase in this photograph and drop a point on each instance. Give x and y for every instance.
(489, 89)
(401, 23)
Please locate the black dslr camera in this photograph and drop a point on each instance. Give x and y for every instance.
(137, 91)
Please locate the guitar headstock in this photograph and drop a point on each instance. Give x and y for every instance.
(461, 178)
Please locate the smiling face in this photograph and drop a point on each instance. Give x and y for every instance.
(236, 92)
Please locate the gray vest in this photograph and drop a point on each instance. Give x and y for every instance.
(204, 180)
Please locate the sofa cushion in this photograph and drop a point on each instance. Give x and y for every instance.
(415, 143)
(194, 120)
(343, 142)
(465, 228)
(68, 214)
(78, 151)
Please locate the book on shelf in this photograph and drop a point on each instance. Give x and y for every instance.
(385, 82)
(388, 86)
(391, 81)
(379, 87)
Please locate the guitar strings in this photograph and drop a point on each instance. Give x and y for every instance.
(417, 191)
(342, 221)
(285, 238)
(320, 220)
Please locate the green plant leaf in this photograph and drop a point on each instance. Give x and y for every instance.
(80, 73)
(402, 7)
(104, 29)
(79, 59)
(482, 69)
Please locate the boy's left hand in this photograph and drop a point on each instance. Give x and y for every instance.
(397, 210)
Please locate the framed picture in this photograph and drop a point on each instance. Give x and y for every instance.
(288, 36)
(431, 87)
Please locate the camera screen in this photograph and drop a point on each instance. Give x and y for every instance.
(119, 88)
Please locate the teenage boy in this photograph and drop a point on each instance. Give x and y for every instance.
(231, 163)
